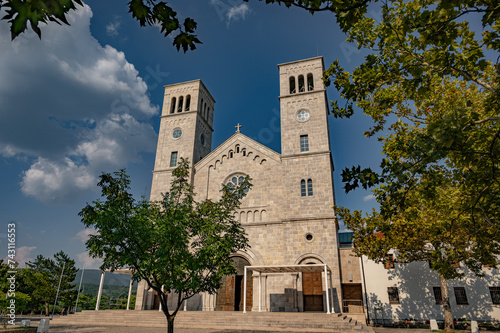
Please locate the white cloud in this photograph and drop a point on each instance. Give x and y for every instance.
(83, 235)
(23, 255)
(112, 27)
(368, 197)
(70, 106)
(237, 13)
(230, 10)
(88, 262)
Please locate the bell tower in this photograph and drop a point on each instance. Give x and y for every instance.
(304, 107)
(305, 140)
(186, 128)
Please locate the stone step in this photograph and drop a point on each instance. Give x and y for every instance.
(220, 320)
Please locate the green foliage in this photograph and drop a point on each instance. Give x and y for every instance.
(150, 12)
(43, 277)
(20, 12)
(434, 98)
(177, 245)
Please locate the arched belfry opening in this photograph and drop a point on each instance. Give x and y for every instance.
(230, 295)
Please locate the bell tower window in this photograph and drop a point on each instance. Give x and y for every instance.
(181, 100)
(172, 105)
(188, 102)
(292, 85)
(302, 87)
(310, 82)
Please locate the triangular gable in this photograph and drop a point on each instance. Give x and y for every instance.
(253, 149)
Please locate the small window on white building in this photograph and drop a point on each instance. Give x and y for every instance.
(460, 296)
(495, 295)
(438, 297)
(393, 294)
(389, 261)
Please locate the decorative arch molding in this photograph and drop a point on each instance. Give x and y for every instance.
(311, 257)
(253, 257)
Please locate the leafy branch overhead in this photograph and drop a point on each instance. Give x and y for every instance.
(20, 13)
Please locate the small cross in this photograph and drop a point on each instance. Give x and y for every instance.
(238, 127)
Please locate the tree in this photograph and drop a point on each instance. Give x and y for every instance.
(150, 12)
(177, 246)
(434, 98)
(44, 277)
(12, 293)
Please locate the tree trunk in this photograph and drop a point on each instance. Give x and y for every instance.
(448, 316)
(47, 309)
(170, 322)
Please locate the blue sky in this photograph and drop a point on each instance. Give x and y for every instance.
(86, 99)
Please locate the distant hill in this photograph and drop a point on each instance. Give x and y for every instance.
(115, 285)
(93, 276)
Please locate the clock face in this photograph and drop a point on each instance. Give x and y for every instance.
(303, 115)
(202, 138)
(177, 133)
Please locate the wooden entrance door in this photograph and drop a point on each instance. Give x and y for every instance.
(156, 301)
(313, 291)
(230, 294)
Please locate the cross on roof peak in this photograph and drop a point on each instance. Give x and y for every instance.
(238, 127)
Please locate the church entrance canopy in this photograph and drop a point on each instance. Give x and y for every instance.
(308, 268)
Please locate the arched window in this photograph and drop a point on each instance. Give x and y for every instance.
(235, 181)
(244, 152)
(208, 113)
(292, 85)
(243, 218)
(172, 105)
(201, 107)
(181, 101)
(204, 110)
(237, 149)
(303, 191)
(302, 87)
(188, 102)
(231, 154)
(310, 82)
(309, 187)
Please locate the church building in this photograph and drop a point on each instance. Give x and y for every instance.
(293, 262)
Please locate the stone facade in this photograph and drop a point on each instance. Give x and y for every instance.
(288, 213)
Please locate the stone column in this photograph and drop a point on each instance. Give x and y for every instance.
(99, 293)
(129, 292)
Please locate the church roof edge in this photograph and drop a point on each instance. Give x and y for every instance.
(220, 147)
(297, 61)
